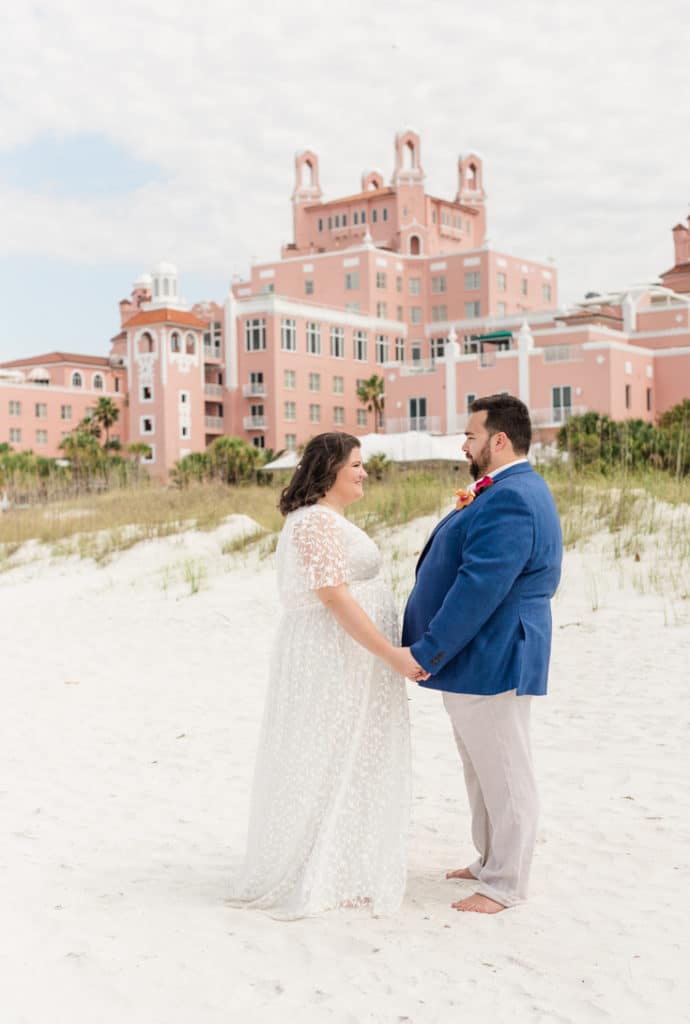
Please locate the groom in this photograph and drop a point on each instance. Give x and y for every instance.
(479, 622)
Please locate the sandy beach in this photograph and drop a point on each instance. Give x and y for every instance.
(132, 694)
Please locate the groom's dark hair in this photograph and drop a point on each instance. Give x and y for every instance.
(317, 469)
(507, 414)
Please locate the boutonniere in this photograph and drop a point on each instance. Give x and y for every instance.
(466, 497)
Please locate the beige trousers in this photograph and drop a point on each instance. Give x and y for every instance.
(492, 734)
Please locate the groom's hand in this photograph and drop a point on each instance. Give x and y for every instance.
(403, 662)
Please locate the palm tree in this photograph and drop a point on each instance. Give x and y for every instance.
(106, 414)
(232, 460)
(370, 393)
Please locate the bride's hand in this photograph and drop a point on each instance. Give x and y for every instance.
(401, 660)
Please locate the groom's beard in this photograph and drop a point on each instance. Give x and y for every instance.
(480, 465)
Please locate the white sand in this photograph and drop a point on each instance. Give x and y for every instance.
(130, 712)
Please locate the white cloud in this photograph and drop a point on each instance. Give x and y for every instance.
(577, 110)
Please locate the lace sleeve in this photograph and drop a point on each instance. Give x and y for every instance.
(319, 544)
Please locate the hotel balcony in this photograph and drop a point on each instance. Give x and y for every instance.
(254, 423)
(556, 417)
(430, 424)
(212, 353)
(254, 390)
(418, 366)
(214, 424)
(213, 390)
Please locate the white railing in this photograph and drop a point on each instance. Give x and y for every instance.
(555, 417)
(562, 353)
(213, 390)
(418, 366)
(254, 422)
(213, 422)
(430, 424)
(254, 390)
(212, 352)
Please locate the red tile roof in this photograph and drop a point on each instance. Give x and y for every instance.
(59, 357)
(165, 316)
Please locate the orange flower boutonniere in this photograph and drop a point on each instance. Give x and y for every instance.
(466, 497)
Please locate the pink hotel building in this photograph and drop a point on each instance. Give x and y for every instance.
(391, 281)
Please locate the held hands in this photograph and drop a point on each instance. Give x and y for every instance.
(401, 660)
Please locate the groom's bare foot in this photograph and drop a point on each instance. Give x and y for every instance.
(479, 904)
(461, 873)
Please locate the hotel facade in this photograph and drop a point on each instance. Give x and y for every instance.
(390, 281)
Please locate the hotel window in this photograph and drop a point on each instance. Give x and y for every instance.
(146, 393)
(314, 413)
(381, 348)
(439, 284)
(437, 346)
(288, 335)
(381, 310)
(146, 425)
(41, 410)
(649, 399)
(352, 307)
(399, 283)
(289, 379)
(416, 408)
(415, 285)
(363, 216)
(416, 352)
(338, 342)
(77, 380)
(472, 310)
(338, 385)
(385, 213)
(314, 339)
(314, 381)
(308, 286)
(268, 288)
(150, 457)
(561, 403)
(469, 398)
(41, 437)
(400, 350)
(374, 216)
(337, 220)
(351, 280)
(117, 383)
(290, 410)
(98, 381)
(416, 315)
(338, 414)
(175, 343)
(320, 223)
(524, 285)
(380, 278)
(502, 309)
(627, 396)
(15, 435)
(546, 292)
(360, 345)
(65, 412)
(361, 417)
(502, 281)
(439, 313)
(355, 218)
(400, 314)
(255, 335)
(330, 223)
(15, 408)
(344, 220)
(291, 442)
(472, 279)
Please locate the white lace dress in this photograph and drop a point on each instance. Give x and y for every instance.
(331, 795)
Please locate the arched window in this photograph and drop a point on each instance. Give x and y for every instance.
(98, 381)
(472, 176)
(77, 380)
(166, 286)
(415, 245)
(409, 160)
(175, 344)
(190, 344)
(307, 174)
(145, 343)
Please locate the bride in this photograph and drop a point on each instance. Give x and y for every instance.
(331, 794)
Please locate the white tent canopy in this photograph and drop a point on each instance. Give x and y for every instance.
(413, 446)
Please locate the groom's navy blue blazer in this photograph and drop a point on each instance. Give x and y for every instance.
(479, 616)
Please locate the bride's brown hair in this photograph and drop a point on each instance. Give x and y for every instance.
(316, 471)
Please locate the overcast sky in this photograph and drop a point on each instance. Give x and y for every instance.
(167, 130)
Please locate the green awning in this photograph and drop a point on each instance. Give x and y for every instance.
(496, 336)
